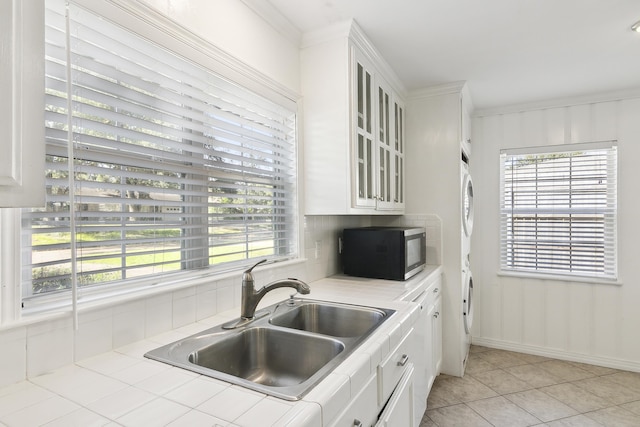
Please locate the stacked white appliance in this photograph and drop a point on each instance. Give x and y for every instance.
(438, 182)
(467, 228)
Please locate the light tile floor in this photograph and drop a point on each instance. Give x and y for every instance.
(504, 388)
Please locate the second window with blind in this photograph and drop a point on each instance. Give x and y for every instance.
(558, 210)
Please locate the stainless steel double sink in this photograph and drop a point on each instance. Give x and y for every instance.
(287, 350)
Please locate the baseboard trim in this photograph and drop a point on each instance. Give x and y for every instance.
(608, 362)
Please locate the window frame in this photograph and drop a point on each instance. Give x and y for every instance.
(150, 24)
(609, 258)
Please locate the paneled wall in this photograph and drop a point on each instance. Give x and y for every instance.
(589, 322)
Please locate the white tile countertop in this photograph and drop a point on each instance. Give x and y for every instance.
(122, 387)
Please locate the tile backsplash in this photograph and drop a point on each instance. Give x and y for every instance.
(32, 348)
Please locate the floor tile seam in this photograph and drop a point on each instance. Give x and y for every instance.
(611, 405)
(499, 393)
(524, 409)
(430, 419)
(633, 388)
(488, 421)
(627, 389)
(571, 416)
(515, 404)
(443, 406)
(564, 378)
(476, 412)
(586, 414)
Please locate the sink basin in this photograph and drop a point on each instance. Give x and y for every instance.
(284, 355)
(268, 356)
(330, 319)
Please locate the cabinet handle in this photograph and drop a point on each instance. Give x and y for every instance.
(357, 423)
(435, 291)
(436, 314)
(404, 360)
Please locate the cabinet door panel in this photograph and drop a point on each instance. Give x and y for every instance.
(22, 137)
(399, 410)
(386, 122)
(365, 179)
(436, 336)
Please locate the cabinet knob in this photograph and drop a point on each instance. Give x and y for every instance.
(357, 423)
(436, 314)
(435, 291)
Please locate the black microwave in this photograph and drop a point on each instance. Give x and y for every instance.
(395, 253)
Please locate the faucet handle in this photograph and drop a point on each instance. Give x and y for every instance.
(255, 265)
(247, 276)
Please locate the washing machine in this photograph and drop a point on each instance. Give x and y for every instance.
(467, 303)
(465, 236)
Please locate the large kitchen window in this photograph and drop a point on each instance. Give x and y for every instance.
(558, 210)
(156, 165)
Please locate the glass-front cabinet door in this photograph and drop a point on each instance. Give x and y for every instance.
(398, 150)
(391, 145)
(365, 182)
(385, 197)
(378, 145)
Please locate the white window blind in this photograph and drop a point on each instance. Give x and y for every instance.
(174, 168)
(558, 210)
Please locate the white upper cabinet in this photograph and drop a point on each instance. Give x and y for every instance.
(22, 103)
(353, 126)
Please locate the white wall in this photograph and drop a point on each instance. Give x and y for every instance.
(238, 30)
(580, 321)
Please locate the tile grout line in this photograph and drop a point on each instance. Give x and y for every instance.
(603, 403)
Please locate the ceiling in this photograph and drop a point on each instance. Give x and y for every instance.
(508, 51)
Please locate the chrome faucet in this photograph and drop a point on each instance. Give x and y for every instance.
(251, 297)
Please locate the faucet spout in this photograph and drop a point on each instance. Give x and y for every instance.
(251, 297)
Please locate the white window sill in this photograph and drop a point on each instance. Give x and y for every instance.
(60, 305)
(559, 277)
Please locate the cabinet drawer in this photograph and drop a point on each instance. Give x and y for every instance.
(399, 411)
(362, 409)
(391, 369)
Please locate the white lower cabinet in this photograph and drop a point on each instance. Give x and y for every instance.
(428, 341)
(433, 348)
(399, 410)
(436, 339)
(387, 397)
(361, 411)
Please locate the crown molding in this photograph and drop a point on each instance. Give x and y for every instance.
(593, 98)
(276, 19)
(458, 87)
(350, 29)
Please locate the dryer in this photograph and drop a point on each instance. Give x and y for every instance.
(466, 277)
(466, 205)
